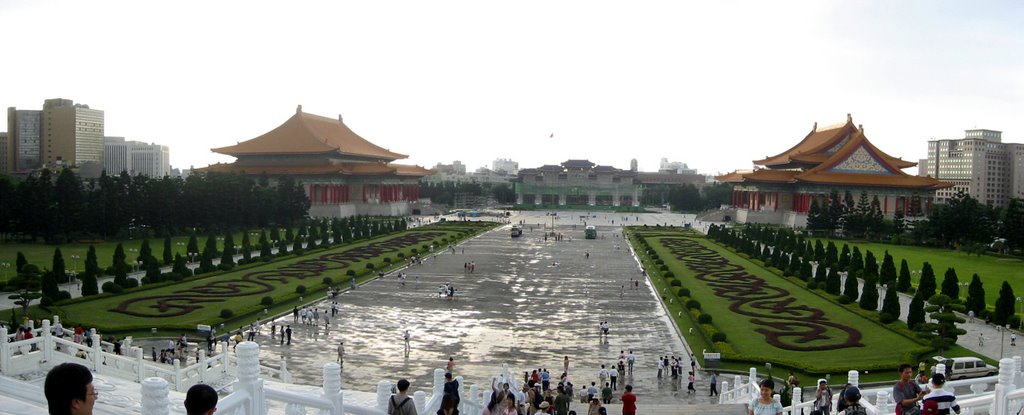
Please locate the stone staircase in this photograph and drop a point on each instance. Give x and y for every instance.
(663, 409)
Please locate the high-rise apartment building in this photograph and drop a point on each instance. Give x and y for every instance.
(4, 167)
(506, 166)
(979, 164)
(23, 136)
(72, 135)
(135, 157)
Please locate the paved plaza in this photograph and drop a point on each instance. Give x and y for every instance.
(528, 303)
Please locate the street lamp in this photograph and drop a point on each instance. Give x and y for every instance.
(7, 265)
(74, 262)
(1020, 301)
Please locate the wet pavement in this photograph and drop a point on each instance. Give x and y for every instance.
(516, 308)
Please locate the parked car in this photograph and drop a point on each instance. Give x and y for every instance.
(965, 367)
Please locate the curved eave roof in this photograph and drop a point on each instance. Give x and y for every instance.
(815, 141)
(760, 176)
(411, 170)
(355, 169)
(892, 175)
(310, 134)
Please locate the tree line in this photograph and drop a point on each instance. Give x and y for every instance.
(444, 192)
(31, 282)
(60, 208)
(687, 197)
(962, 222)
(824, 267)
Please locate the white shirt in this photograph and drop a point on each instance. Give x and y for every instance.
(631, 358)
(603, 373)
(661, 365)
(613, 373)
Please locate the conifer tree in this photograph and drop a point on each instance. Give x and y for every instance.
(844, 259)
(951, 284)
(821, 274)
(805, 270)
(20, 262)
(887, 275)
(92, 272)
(50, 287)
(903, 281)
(246, 247)
(850, 289)
(832, 282)
(891, 303)
(926, 286)
(265, 249)
(856, 266)
(975, 296)
(228, 254)
(120, 266)
(831, 254)
(1004, 305)
(193, 245)
(942, 333)
(915, 313)
(180, 267)
(870, 266)
(168, 252)
(209, 251)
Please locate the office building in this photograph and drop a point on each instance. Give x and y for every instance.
(23, 134)
(71, 136)
(506, 166)
(135, 157)
(980, 165)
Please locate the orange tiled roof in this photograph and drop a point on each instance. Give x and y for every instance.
(310, 134)
(859, 162)
(820, 144)
(347, 169)
(407, 170)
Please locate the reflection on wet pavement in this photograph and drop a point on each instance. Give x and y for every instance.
(517, 308)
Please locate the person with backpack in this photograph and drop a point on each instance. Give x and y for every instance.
(401, 403)
(851, 396)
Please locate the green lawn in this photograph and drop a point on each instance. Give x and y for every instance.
(182, 305)
(992, 270)
(730, 301)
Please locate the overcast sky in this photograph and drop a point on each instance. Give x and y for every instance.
(714, 84)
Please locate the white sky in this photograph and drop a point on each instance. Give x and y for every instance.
(714, 84)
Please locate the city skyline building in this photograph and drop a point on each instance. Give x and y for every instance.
(72, 136)
(507, 166)
(980, 165)
(23, 136)
(135, 157)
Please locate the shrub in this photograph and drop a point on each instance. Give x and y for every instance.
(844, 299)
(704, 319)
(812, 284)
(886, 318)
(226, 313)
(268, 300)
(663, 268)
(401, 255)
(693, 304)
(369, 265)
(414, 251)
(675, 283)
(328, 281)
(670, 274)
(387, 260)
(45, 301)
(63, 295)
(684, 292)
(658, 261)
(300, 289)
(265, 258)
(225, 266)
(111, 287)
(130, 283)
(298, 252)
(351, 272)
(718, 337)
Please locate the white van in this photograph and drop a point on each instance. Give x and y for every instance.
(965, 367)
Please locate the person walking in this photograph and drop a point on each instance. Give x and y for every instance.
(714, 384)
(288, 332)
(628, 401)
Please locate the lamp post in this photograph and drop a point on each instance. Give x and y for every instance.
(7, 265)
(1002, 334)
(814, 268)
(74, 262)
(1020, 302)
(192, 262)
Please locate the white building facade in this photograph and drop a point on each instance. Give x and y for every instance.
(980, 165)
(135, 157)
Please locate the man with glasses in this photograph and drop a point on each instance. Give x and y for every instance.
(69, 390)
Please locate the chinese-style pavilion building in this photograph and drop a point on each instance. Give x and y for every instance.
(579, 183)
(839, 158)
(343, 174)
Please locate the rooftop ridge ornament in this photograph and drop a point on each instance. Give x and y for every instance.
(298, 110)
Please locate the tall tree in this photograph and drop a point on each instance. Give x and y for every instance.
(856, 266)
(265, 249)
(228, 254)
(92, 273)
(50, 286)
(927, 286)
(20, 262)
(942, 333)
(1004, 305)
(68, 203)
(119, 266)
(168, 252)
(193, 244)
(246, 247)
(1013, 223)
(209, 252)
(975, 296)
(870, 266)
(903, 281)
(887, 276)
(951, 284)
(850, 289)
(844, 259)
(915, 314)
(816, 221)
(831, 254)
(891, 303)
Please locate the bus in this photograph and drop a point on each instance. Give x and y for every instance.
(517, 231)
(590, 232)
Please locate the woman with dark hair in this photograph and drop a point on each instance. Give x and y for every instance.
(493, 406)
(765, 403)
(510, 406)
(448, 406)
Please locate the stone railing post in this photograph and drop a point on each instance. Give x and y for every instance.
(438, 387)
(1003, 386)
(332, 387)
(202, 365)
(154, 397)
(286, 376)
(97, 353)
(940, 368)
(48, 344)
(882, 401)
(853, 377)
(474, 393)
(459, 379)
(383, 393)
(798, 396)
(725, 387)
(140, 363)
(225, 361)
(249, 375)
(752, 382)
(179, 375)
(5, 351)
(420, 400)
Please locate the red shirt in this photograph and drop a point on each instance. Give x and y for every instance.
(628, 403)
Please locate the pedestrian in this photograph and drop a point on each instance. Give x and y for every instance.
(630, 358)
(628, 401)
(714, 384)
(613, 375)
(69, 390)
(400, 403)
(602, 375)
(606, 393)
(689, 386)
(906, 393)
(451, 364)
(765, 403)
(661, 367)
(565, 364)
(341, 353)
(851, 397)
(288, 332)
(201, 399)
(823, 398)
(939, 401)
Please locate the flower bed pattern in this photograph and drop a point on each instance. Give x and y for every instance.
(785, 323)
(188, 300)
